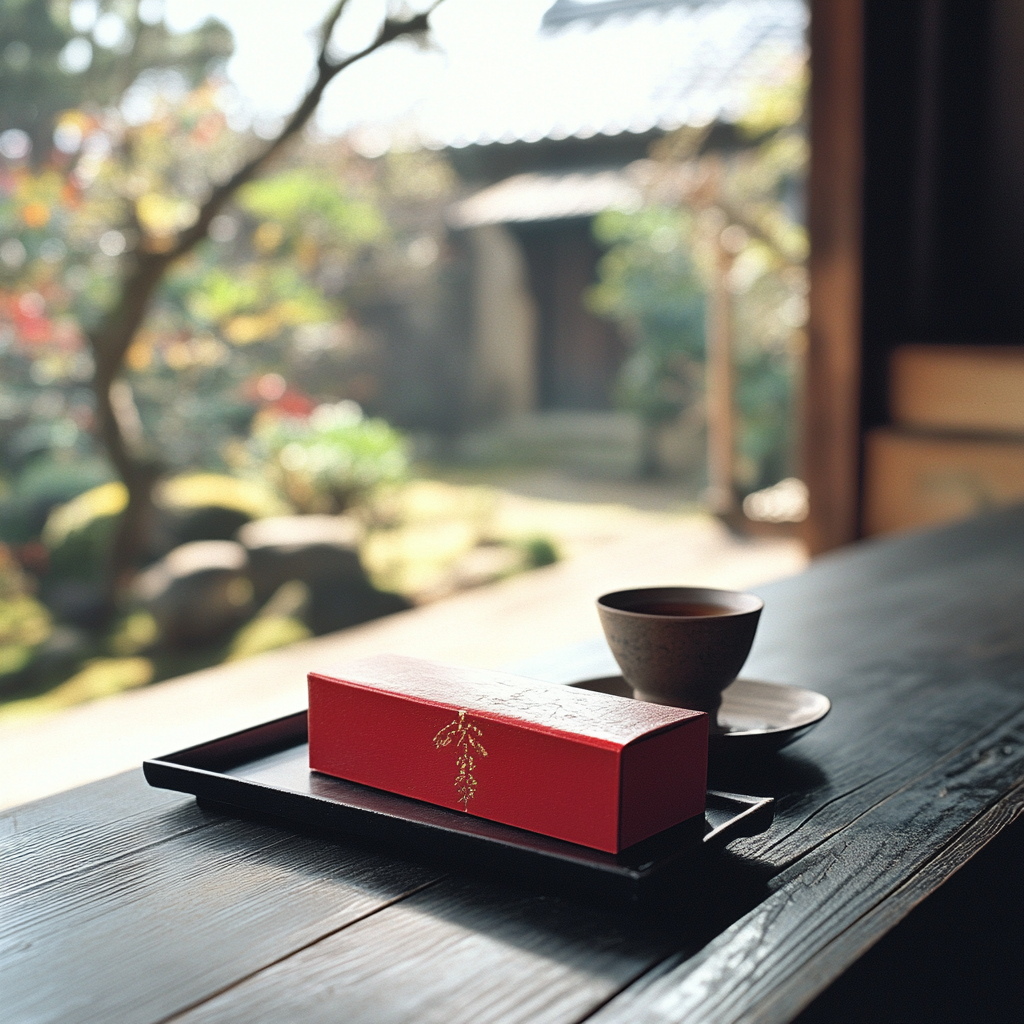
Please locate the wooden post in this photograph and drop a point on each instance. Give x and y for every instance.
(718, 387)
(831, 427)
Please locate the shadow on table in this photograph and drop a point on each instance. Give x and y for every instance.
(779, 775)
(708, 896)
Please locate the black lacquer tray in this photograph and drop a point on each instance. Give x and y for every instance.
(264, 772)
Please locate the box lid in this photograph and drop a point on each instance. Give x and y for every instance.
(597, 718)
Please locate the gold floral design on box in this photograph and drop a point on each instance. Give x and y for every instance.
(467, 739)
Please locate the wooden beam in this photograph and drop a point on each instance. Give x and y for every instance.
(831, 419)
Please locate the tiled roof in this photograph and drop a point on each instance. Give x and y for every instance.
(583, 192)
(535, 197)
(549, 71)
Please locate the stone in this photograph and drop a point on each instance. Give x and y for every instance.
(205, 522)
(77, 602)
(323, 552)
(339, 608)
(197, 593)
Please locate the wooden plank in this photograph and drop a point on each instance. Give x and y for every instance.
(169, 906)
(798, 990)
(831, 396)
(915, 480)
(72, 831)
(978, 388)
(409, 950)
(459, 951)
(779, 956)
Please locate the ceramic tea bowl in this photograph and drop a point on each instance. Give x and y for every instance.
(680, 645)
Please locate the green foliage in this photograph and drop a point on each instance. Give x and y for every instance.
(266, 633)
(134, 633)
(68, 209)
(648, 280)
(24, 622)
(763, 397)
(266, 294)
(778, 107)
(216, 294)
(314, 201)
(648, 283)
(79, 533)
(540, 551)
(253, 498)
(768, 318)
(328, 461)
(38, 82)
(98, 678)
(271, 297)
(253, 322)
(662, 259)
(47, 481)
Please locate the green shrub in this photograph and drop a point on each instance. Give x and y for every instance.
(266, 634)
(45, 483)
(332, 459)
(650, 286)
(540, 551)
(24, 625)
(98, 678)
(24, 622)
(79, 533)
(252, 498)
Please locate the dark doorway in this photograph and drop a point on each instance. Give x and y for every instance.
(578, 354)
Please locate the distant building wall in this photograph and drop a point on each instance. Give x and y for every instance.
(503, 370)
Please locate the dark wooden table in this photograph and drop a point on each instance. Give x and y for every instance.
(125, 903)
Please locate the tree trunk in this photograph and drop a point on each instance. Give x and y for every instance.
(147, 265)
(125, 447)
(138, 473)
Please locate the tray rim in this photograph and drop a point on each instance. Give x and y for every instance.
(201, 771)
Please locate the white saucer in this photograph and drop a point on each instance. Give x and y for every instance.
(754, 715)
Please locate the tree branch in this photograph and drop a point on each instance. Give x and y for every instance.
(111, 339)
(327, 70)
(326, 31)
(145, 268)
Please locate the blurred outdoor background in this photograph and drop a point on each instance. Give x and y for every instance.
(527, 281)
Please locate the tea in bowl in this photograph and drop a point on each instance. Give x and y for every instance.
(680, 645)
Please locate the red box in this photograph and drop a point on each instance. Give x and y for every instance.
(590, 768)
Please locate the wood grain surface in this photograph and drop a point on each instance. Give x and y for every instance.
(138, 921)
(456, 952)
(123, 903)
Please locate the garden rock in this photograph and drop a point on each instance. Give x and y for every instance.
(333, 608)
(198, 592)
(177, 526)
(314, 549)
(323, 552)
(208, 506)
(78, 602)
